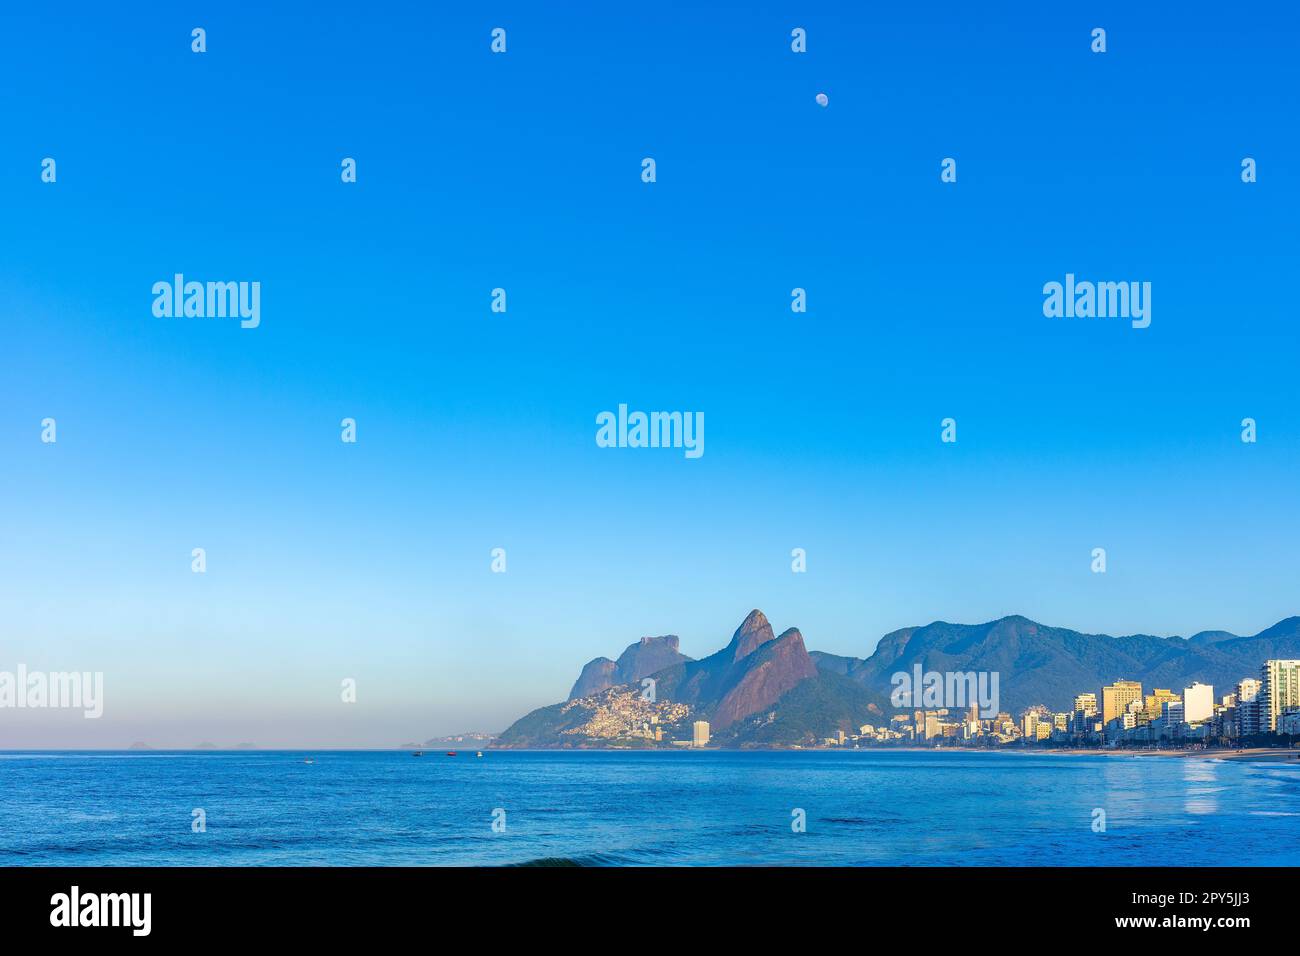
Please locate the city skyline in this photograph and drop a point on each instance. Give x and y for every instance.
(928, 684)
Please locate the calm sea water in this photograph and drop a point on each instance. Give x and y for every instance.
(700, 808)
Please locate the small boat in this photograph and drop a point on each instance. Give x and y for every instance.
(479, 754)
(308, 760)
(418, 753)
(451, 753)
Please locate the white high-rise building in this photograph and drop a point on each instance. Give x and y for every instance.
(700, 734)
(1248, 706)
(1170, 722)
(1198, 703)
(1280, 693)
(1085, 709)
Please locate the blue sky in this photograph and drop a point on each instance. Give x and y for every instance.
(476, 430)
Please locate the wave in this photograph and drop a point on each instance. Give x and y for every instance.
(586, 859)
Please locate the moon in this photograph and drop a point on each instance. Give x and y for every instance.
(823, 99)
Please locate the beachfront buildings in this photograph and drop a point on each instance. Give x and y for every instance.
(1083, 719)
(1156, 700)
(700, 733)
(1198, 703)
(1127, 717)
(1280, 692)
(1116, 697)
(1247, 707)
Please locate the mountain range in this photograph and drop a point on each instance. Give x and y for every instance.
(765, 689)
(648, 655)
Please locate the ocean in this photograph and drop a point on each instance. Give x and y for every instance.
(858, 808)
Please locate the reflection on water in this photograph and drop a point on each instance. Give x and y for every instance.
(1126, 783)
(1200, 796)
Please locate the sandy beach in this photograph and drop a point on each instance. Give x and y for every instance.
(1256, 754)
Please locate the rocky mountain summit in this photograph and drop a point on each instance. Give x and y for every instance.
(645, 657)
(749, 676)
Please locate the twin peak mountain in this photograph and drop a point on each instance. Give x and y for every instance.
(752, 672)
(737, 690)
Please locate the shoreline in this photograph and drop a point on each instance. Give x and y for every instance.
(1254, 754)
(1251, 754)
